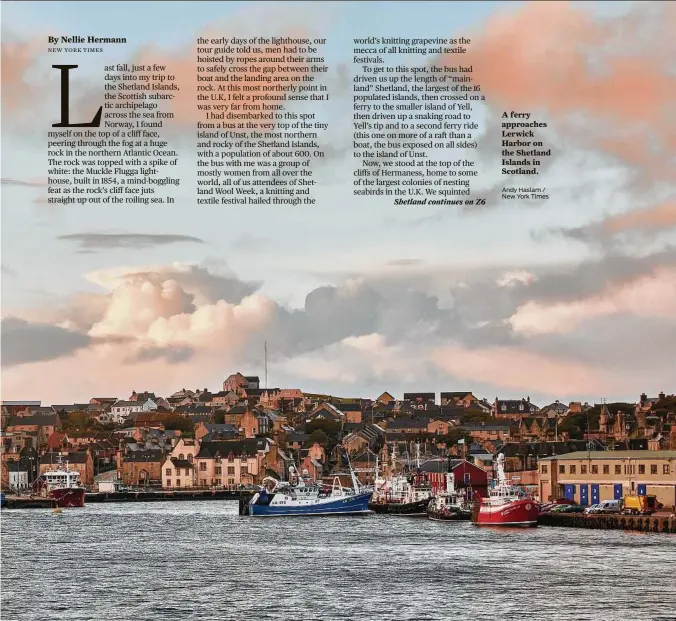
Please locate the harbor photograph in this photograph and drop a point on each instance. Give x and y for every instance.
(338, 311)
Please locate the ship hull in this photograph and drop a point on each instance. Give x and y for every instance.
(518, 513)
(68, 497)
(340, 506)
(409, 508)
(380, 507)
(448, 516)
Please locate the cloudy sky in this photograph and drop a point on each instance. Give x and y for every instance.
(573, 298)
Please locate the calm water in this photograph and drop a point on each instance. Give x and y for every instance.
(200, 560)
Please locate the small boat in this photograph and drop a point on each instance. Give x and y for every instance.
(506, 505)
(414, 501)
(63, 485)
(448, 505)
(280, 498)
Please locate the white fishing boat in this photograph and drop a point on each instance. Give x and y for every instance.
(301, 497)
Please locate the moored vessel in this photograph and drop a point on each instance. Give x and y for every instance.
(281, 498)
(506, 505)
(63, 485)
(448, 505)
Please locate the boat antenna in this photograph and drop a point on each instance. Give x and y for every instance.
(355, 480)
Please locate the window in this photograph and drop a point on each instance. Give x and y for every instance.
(653, 468)
(665, 469)
(641, 468)
(190, 457)
(572, 470)
(562, 470)
(231, 469)
(168, 471)
(181, 456)
(231, 481)
(217, 470)
(244, 469)
(618, 469)
(168, 482)
(606, 469)
(203, 466)
(544, 469)
(594, 469)
(178, 482)
(583, 469)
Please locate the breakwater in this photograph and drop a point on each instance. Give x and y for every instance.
(664, 523)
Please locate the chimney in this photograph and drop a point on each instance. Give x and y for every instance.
(661, 395)
(644, 397)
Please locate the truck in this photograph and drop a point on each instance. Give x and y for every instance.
(639, 505)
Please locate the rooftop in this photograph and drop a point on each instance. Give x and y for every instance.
(616, 455)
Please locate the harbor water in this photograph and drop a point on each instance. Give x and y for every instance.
(202, 561)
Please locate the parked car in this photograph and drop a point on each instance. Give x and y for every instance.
(572, 509)
(559, 508)
(592, 509)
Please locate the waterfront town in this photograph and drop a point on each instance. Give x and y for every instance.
(233, 437)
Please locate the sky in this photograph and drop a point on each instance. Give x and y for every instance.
(573, 298)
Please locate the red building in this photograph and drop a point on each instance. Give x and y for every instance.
(467, 476)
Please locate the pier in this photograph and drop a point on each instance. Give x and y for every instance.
(29, 502)
(663, 523)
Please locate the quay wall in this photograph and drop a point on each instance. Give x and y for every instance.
(664, 523)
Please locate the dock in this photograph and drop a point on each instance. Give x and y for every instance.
(165, 495)
(29, 502)
(656, 523)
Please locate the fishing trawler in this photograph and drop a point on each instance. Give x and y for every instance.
(63, 485)
(401, 494)
(449, 505)
(506, 505)
(301, 497)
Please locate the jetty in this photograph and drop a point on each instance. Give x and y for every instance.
(29, 502)
(165, 495)
(655, 523)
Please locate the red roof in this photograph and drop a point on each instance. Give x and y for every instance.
(56, 440)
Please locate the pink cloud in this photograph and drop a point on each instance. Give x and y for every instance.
(653, 295)
(521, 371)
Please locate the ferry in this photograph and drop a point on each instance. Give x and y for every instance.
(281, 498)
(448, 505)
(506, 505)
(63, 485)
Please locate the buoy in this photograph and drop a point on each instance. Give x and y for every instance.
(56, 510)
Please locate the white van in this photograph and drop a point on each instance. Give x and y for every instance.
(608, 506)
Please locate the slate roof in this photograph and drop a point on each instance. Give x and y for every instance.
(408, 423)
(75, 457)
(40, 420)
(181, 463)
(514, 406)
(145, 455)
(237, 447)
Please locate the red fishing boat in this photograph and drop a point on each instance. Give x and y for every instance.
(63, 485)
(506, 505)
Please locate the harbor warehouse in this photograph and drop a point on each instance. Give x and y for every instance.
(589, 477)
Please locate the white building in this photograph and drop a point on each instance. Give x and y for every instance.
(122, 410)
